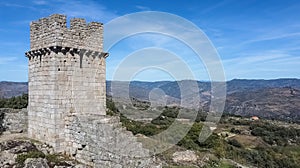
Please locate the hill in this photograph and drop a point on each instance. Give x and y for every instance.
(270, 103)
(10, 89)
(272, 99)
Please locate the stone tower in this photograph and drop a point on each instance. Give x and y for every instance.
(66, 75)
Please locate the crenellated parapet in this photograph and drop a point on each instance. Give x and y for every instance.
(53, 31)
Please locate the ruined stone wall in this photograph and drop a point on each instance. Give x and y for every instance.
(101, 141)
(66, 75)
(13, 120)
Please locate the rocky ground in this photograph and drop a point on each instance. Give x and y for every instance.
(17, 151)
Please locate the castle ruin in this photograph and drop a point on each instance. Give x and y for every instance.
(67, 96)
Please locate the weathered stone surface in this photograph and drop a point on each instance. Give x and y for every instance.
(100, 141)
(13, 120)
(36, 163)
(16, 147)
(2, 127)
(185, 156)
(7, 159)
(10, 149)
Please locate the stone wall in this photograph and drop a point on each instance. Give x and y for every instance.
(13, 120)
(101, 141)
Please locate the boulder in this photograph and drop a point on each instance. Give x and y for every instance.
(36, 163)
(185, 156)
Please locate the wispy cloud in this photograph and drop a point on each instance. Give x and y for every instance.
(162, 31)
(272, 63)
(6, 60)
(17, 5)
(256, 58)
(14, 5)
(152, 59)
(40, 2)
(21, 22)
(86, 9)
(143, 8)
(214, 7)
(273, 37)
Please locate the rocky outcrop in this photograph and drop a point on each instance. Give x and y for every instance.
(9, 151)
(185, 156)
(29, 154)
(36, 163)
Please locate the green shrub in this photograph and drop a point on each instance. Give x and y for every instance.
(112, 109)
(163, 120)
(54, 158)
(171, 112)
(235, 131)
(273, 134)
(188, 143)
(201, 116)
(235, 143)
(32, 154)
(18, 102)
(137, 127)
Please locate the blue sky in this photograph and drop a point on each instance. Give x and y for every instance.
(254, 39)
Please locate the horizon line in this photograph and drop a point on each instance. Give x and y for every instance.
(109, 80)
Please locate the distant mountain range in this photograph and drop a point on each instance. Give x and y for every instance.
(278, 98)
(272, 103)
(10, 89)
(172, 88)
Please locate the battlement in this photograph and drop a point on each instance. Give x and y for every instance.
(53, 31)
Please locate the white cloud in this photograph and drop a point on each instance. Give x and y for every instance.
(17, 5)
(86, 9)
(166, 31)
(142, 8)
(268, 64)
(256, 58)
(273, 37)
(7, 60)
(214, 7)
(40, 2)
(149, 59)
